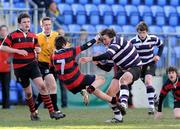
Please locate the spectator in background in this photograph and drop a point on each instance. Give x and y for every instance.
(5, 75)
(172, 84)
(42, 4)
(54, 13)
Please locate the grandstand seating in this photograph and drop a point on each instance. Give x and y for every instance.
(93, 13)
(172, 39)
(174, 2)
(79, 13)
(116, 28)
(106, 14)
(67, 12)
(119, 14)
(133, 14)
(123, 2)
(89, 28)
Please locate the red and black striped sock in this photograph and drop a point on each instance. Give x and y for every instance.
(31, 104)
(48, 103)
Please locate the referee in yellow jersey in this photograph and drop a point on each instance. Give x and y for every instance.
(46, 41)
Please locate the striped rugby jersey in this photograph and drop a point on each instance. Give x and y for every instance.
(64, 61)
(145, 49)
(19, 40)
(123, 53)
(169, 86)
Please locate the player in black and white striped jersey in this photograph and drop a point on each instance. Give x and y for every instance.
(125, 56)
(145, 45)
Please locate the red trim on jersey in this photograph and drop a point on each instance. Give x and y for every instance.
(63, 55)
(76, 82)
(30, 55)
(23, 45)
(78, 50)
(70, 75)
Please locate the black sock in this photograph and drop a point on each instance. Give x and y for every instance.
(54, 101)
(38, 101)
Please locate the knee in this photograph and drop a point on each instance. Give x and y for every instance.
(101, 79)
(177, 116)
(43, 89)
(28, 95)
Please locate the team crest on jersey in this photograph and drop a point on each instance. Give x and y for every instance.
(19, 40)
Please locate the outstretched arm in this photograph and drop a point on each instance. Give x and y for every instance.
(12, 50)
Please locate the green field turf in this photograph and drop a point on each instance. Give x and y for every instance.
(85, 118)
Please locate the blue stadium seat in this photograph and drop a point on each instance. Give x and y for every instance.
(177, 28)
(67, 12)
(146, 14)
(83, 2)
(93, 13)
(96, 2)
(79, 13)
(20, 5)
(120, 14)
(133, 14)
(159, 15)
(89, 28)
(5, 5)
(168, 30)
(69, 1)
(106, 14)
(123, 2)
(100, 27)
(109, 2)
(58, 1)
(155, 29)
(136, 2)
(65, 28)
(74, 28)
(116, 28)
(149, 2)
(161, 2)
(128, 29)
(171, 15)
(174, 2)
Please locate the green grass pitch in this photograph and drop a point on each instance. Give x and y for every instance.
(85, 118)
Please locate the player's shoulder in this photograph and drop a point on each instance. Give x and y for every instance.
(153, 37)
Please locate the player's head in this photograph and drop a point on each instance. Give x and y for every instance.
(3, 31)
(172, 73)
(24, 22)
(107, 36)
(60, 42)
(142, 30)
(46, 25)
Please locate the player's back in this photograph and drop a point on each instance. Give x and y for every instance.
(67, 67)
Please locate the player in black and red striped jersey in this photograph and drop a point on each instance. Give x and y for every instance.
(23, 44)
(172, 84)
(64, 61)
